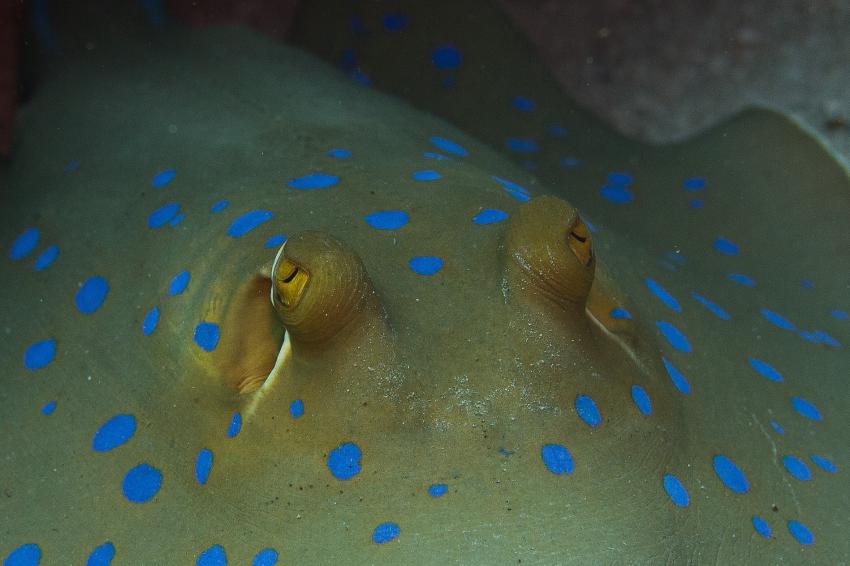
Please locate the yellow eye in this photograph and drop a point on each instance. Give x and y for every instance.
(580, 242)
(290, 281)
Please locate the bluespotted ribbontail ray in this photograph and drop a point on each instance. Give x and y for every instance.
(447, 397)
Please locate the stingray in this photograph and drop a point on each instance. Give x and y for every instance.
(257, 311)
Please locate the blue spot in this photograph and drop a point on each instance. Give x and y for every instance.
(339, 153)
(520, 193)
(641, 399)
(177, 220)
(695, 203)
(387, 219)
(840, 314)
(40, 354)
(557, 459)
(663, 295)
(425, 265)
(235, 425)
(344, 461)
(46, 258)
(674, 336)
(266, 557)
(731, 476)
(296, 408)
(314, 181)
(150, 321)
(142, 483)
(24, 244)
(163, 215)
(523, 104)
(446, 57)
(570, 162)
(385, 532)
(556, 130)
(677, 492)
(588, 411)
(427, 175)
(92, 294)
(766, 371)
(620, 179)
(24, 555)
(619, 313)
(778, 320)
(206, 336)
(438, 490)
(820, 337)
(617, 195)
(395, 21)
(713, 308)
(676, 377)
(437, 156)
(726, 246)
(505, 452)
(742, 279)
(800, 532)
(203, 465)
(806, 409)
(113, 433)
(779, 430)
(807, 284)
(761, 526)
(72, 166)
(163, 178)
(275, 241)
(248, 222)
(590, 226)
(693, 184)
(358, 76)
(797, 468)
(489, 216)
(48, 408)
(213, 556)
(219, 206)
(449, 146)
(823, 463)
(102, 555)
(179, 283)
(521, 145)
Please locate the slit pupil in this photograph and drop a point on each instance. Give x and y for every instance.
(577, 237)
(291, 276)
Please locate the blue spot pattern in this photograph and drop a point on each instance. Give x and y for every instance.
(150, 321)
(674, 336)
(24, 555)
(387, 219)
(72, 166)
(219, 206)
(761, 526)
(426, 175)
(797, 468)
(619, 313)
(742, 279)
(438, 489)
(824, 463)
(779, 430)
(142, 483)
(588, 411)
(179, 283)
(519, 192)
(641, 400)
(266, 557)
(434, 155)
(693, 184)
(46, 258)
(212, 556)
(339, 153)
(48, 408)
(177, 219)
(449, 146)
(778, 320)
(344, 461)
(248, 222)
(24, 244)
(163, 215)
(102, 555)
(556, 130)
(235, 425)
(523, 104)
(616, 195)
(489, 216)
(206, 336)
(726, 246)
(521, 145)
(806, 408)
(314, 181)
(663, 295)
(275, 241)
(296, 409)
(765, 370)
(840, 314)
(446, 57)
(425, 265)
(712, 307)
(163, 178)
(203, 465)
(570, 162)
(676, 377)
(385, 532)
(676, 491)
(800, 532)
(730, 474)
(91, 295)
(557, 459)
(40, 354)
(113, 433)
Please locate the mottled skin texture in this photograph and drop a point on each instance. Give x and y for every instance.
(431, 376)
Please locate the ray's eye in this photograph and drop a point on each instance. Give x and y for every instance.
(580, 242)
(290, 282)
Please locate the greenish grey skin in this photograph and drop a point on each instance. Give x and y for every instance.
(469, 363)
